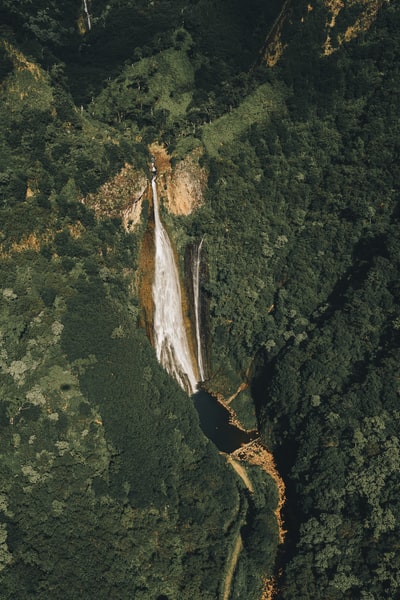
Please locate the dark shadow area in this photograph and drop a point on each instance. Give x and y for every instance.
(365, 251)
(285, 455)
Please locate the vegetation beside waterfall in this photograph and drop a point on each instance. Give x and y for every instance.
(110, 488)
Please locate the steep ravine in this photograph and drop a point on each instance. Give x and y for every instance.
(182, 191)
(252, 452)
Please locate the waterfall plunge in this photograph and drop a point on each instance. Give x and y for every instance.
(196, 296)
(170, 337)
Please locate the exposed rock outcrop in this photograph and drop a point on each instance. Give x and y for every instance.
(367, 15)
(182, 188)
(121, 196)
(182, 185)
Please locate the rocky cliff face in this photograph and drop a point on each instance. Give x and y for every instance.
(182, 189)
(183, 185)
(121, 196)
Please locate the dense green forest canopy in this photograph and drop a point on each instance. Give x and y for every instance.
(109, 487)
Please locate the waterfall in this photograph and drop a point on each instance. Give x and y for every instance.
(196, 297)
(170, 338)
(89, 21)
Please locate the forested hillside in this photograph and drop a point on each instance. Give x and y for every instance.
(330, 401)
(109, 487)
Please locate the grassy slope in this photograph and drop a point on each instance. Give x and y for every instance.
(254, 108)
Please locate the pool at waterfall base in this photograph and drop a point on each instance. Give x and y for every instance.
(214, 421)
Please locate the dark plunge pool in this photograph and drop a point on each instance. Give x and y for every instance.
(214, 421)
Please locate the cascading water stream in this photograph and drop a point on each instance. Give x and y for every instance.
(170, 338)
(196, 296)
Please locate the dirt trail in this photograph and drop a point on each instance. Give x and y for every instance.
(231, 568)
(233, 419)
(241, 471)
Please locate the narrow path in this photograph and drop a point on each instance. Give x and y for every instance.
(242, 386)
(241, 471)
(231, 568)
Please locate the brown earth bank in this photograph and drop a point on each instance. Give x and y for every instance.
(255, 453)
(269, 592)
(273, 45)
(31, 241)
(182, 185)
(368, 13)
(226, 403)
(233, 418)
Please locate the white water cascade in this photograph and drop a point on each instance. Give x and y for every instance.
(196, 296)
(170, 337)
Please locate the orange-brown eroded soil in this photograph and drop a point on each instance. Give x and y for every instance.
(182, 185)
(31, 241)
(368, 14)
(255, 453)
(274, 46)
